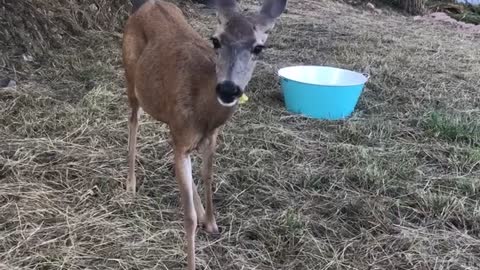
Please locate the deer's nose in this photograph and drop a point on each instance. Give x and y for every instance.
(228, 91)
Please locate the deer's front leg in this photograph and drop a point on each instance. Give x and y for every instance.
(210, 225)
(183, 172)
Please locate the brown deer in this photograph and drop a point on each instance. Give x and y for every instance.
(192, 85)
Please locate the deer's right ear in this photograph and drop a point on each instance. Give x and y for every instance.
(273, 8)
(225, 9)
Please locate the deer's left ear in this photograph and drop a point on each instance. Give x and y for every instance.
(269, 12)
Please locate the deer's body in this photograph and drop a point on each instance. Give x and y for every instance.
(175, 76)
(158, 38)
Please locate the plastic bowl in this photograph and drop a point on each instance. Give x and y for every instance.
(321, 92)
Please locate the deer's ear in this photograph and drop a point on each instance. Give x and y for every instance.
(273, 8)
(225, 9)
(270, 11)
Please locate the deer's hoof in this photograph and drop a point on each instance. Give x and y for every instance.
(131, 189)
(212, 230)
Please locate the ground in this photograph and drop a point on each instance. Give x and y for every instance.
(396, 186)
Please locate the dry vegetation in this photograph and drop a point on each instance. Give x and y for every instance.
(394, 187)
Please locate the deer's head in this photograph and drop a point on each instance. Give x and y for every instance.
(238, 41)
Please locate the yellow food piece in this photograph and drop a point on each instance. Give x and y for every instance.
(243, 99)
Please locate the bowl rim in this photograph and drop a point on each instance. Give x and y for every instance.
(365, 76)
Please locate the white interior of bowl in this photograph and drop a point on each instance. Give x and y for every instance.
(319, 75)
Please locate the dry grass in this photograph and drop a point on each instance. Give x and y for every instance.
(395, 187)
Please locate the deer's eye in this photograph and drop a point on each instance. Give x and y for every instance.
(258, 49)
(216, 43)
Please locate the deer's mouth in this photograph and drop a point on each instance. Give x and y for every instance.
(228, 93)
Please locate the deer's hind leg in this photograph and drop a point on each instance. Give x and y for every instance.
(197, 202)
(133, 45)
(131, 184)
(208, 151)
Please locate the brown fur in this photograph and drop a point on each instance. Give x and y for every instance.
(170, 73)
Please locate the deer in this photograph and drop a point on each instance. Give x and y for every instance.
(193, 85)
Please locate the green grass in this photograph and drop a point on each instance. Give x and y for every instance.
(454, 127)
(468, 17)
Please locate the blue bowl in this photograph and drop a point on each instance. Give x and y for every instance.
(321, 92)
